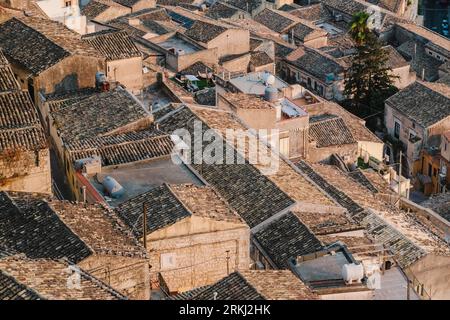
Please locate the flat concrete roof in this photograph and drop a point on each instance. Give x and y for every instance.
(138, 178)
(178, 44)
(394, 287)
(253, 83)
(328, 267)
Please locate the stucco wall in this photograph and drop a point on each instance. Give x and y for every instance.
(233, 41)
(126, 71)
(143, 4)
(434, 273)
(26, 171)
(112, 13)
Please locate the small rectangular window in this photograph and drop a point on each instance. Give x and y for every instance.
(397, 129)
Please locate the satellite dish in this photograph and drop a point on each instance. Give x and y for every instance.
(268, 79)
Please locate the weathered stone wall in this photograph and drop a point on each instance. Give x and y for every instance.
(348, 152)
(239, 64)
(178, 63)
(197, 248)
(405, 77)
(25, 171)
(130, 276)
(72, 73)
(268, 67)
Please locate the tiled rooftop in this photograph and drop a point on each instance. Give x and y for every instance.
(258, 285)
(285, 178)
(11, 289)
(93, 9)
(322, 223)
(8, 81)
(221, 10)
(260, 58)
(53, 229)
(275, 20)
(439, 203)
(20, 127)
(421, 62)
(396, 223)
(29, 47)
(123, 148)
(285, 238)
(313, 12)
(99, 114)
(424, 103)
(244, 187)
(99, 228)
(163, 209)
(329, 130)
(204, 32)
(247, 101)
(28, 225)
(113, 45)
(315, 63)
(204, 202)
(47, 280)
(246, 5)
(169, 204)
(436, 41)
(356, 125)
(395, 58)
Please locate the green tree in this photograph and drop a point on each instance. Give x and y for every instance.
(369, 80)
(359, 27)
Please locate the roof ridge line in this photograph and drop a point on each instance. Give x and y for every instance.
(178, 199)
(123, 143)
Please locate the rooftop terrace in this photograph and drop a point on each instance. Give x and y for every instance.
(139, 178)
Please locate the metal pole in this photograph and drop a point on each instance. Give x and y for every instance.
(408, 288)
(84, 194)
(400, 176)
(144, 225)
(228, 261)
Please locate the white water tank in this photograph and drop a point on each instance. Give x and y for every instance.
(352, 272)
(112, 187)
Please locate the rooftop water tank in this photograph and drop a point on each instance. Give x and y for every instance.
(352, 272)
(112, 187)
(271, 94)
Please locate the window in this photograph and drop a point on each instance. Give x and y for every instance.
(429, 169)
(284, 146)
(68, 3)
(412, 134)
(396, 129)
(168, 261)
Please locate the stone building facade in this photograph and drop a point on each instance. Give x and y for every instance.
(194, 238)
(24, 154)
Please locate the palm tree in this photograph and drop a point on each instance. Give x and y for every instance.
(359, 29)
